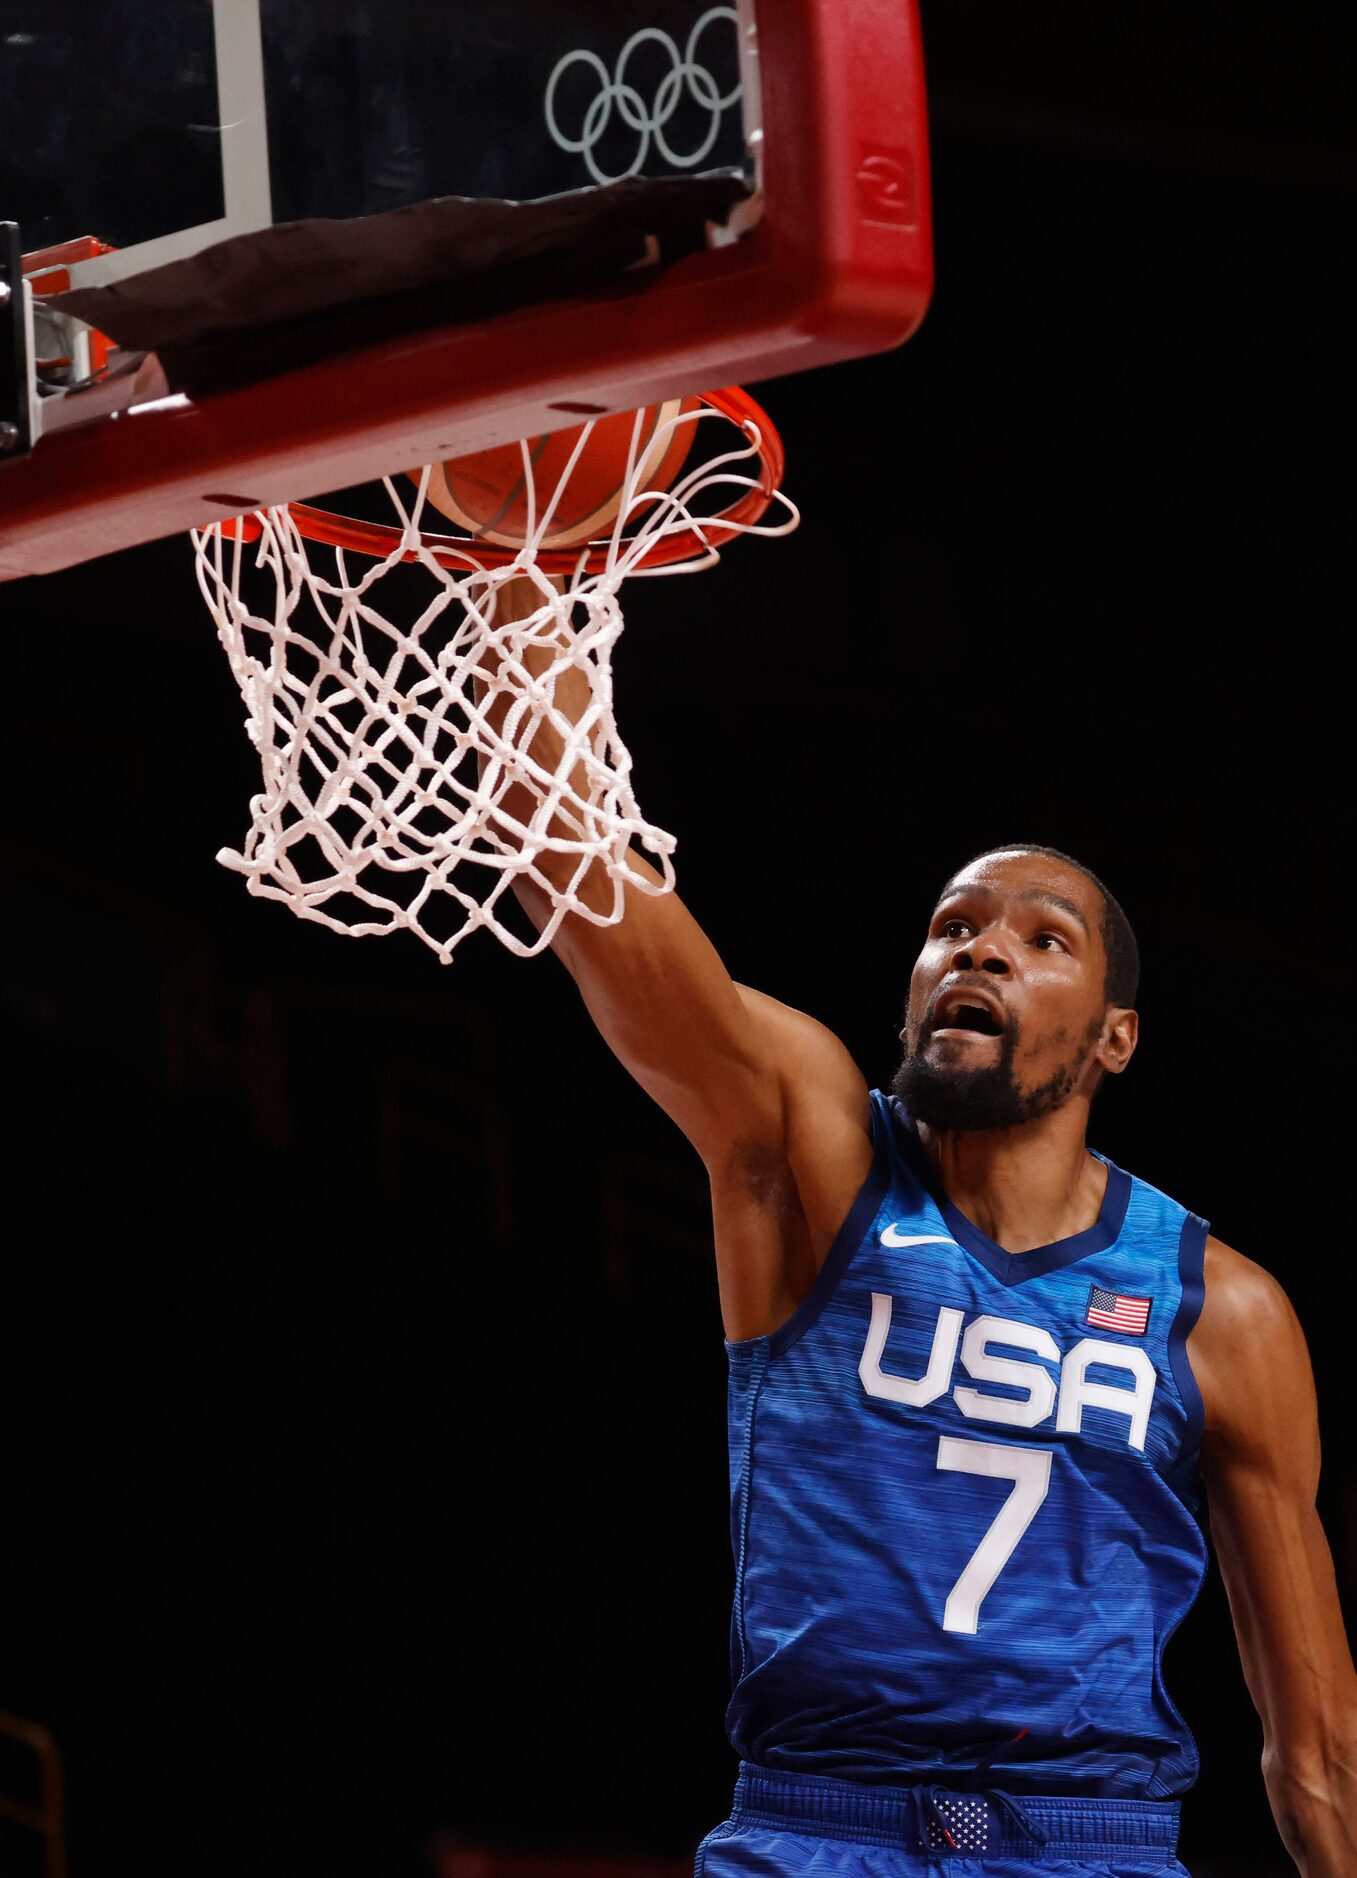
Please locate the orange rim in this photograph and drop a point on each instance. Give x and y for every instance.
(380, 540)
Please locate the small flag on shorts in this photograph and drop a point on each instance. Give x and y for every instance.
(1110, 1310)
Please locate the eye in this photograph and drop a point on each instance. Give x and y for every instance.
(954, 928)
(1048, 941)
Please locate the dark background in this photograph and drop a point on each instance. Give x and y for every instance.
(360, 1366)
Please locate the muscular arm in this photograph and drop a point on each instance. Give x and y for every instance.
(771, 1100)
(1260, 1459)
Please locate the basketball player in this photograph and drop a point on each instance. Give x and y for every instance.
(977, 1375)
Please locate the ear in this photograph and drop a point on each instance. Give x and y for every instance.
(1121, 1033)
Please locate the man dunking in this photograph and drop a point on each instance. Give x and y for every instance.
(978, 1375)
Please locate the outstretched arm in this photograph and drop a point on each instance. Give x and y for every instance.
(770, 1099)
(1260, 1459)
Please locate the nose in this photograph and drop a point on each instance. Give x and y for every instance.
(987, 951)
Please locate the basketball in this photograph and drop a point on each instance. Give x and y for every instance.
(487, 493)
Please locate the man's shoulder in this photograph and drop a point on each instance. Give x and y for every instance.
(1243, 1298)
(1248, 1347)
(804, 1048)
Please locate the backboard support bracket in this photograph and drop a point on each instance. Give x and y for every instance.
(16, 425)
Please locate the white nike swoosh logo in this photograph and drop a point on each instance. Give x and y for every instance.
(892, 1237)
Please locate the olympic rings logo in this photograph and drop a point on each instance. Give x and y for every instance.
(686, 75)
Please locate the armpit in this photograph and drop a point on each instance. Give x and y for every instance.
(761, 1171)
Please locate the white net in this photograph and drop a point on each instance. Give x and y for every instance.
(433, 731)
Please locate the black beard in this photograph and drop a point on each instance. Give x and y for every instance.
(972, 1100)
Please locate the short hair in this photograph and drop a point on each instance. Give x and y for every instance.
(1119, 941)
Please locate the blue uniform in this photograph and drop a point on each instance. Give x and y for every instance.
(965, 1518)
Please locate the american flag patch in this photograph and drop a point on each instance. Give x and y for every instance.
(1110, 1310)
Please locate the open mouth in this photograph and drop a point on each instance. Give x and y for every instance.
(977, 1018)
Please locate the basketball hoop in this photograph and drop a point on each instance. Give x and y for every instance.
(397, 758)
(688, 540)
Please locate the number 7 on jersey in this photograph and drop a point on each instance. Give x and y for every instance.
(1030, 1471)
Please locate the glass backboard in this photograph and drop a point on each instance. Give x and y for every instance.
(162, 129)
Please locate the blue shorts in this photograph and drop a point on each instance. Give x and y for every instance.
(808, 1826)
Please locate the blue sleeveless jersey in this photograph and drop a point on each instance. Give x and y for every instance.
(964, 1499)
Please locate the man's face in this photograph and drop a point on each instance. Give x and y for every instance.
(1007, 1015)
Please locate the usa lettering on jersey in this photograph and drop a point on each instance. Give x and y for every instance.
(1040, 1398)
